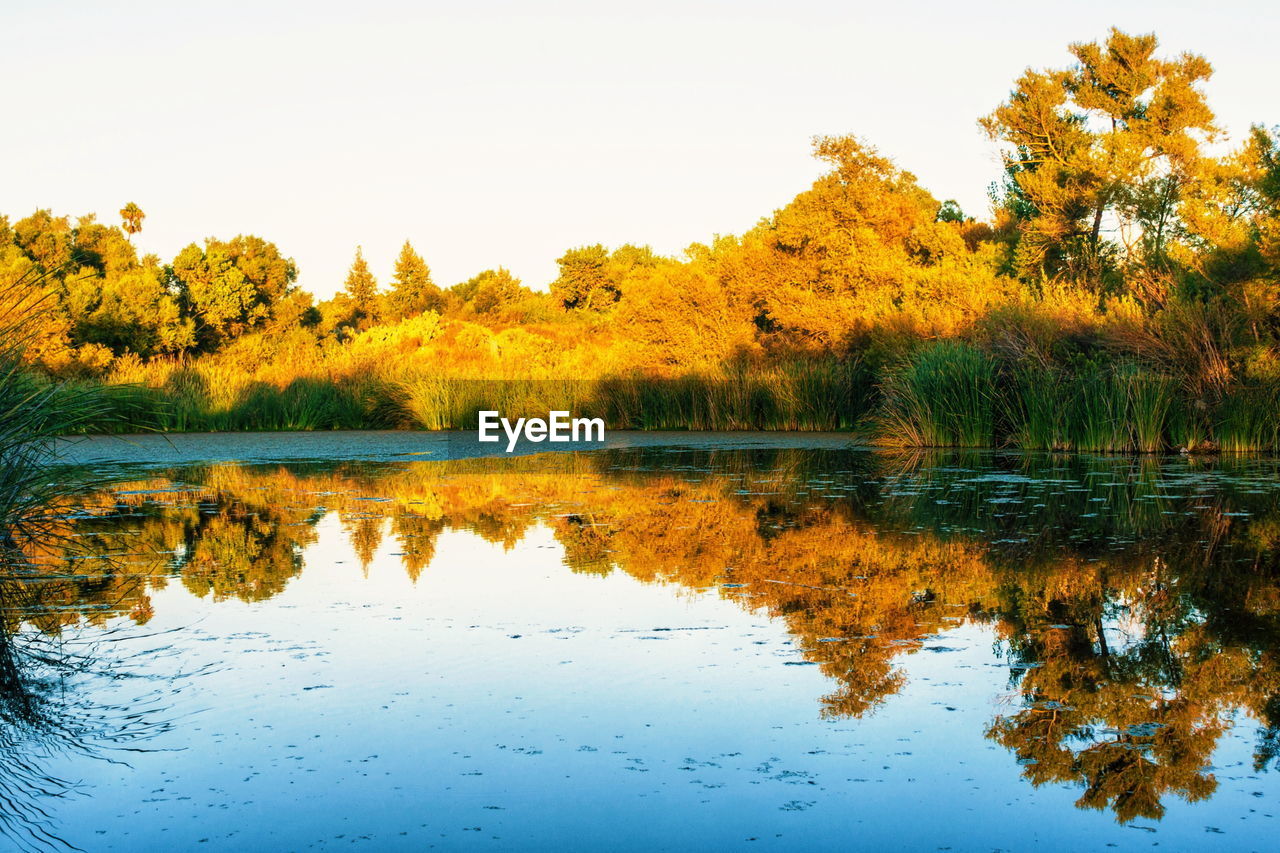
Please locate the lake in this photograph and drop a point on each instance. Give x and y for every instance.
(390, 641)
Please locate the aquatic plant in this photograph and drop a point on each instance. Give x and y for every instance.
(827, 394)
(1035, 409)
(1150, 400)
(943, 397)
(1248, 419)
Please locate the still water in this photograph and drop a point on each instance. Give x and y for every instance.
(650, 647)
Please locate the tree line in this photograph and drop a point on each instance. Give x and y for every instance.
(1126, 237)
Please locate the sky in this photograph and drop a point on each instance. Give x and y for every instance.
(503, 133)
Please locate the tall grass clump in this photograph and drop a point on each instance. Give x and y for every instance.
(1098, 416)
(1150, 403)
(816, 395)
(1248, 418)
(800, 395)
(944, 396)
(434, 402)
(823, 395)
(1121, 408)
(1096, 408)
(1037, 409)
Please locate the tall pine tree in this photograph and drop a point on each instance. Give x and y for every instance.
(362, 290)
(361, 286)
(413, 291)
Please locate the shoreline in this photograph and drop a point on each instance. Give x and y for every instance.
(162, 449)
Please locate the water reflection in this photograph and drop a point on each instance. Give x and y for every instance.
(1135, 602)
(49, 706)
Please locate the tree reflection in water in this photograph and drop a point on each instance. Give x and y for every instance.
(1135, 601)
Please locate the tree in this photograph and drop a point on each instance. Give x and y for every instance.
(861, 249)
(107, 301)
(950, 212)
(591, 278)
(1115, 139)
(129, 311)
(412, 290)
(132, 217)
(361, 286)
(104, 248)
(489, 290)
(230, 287)
(1228, 246)
(684, 316)
(583, 282)
(45, 239)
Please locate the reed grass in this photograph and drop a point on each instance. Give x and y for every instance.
(944, 394)
(1099, 418)
(1248, 419)
(813, 396)
(1150, 400)
(1112, 408)
(1035, 409)
(943, 397)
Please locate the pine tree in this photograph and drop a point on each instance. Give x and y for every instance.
(361, 286)
(413, 292)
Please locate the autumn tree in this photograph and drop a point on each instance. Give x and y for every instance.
(360, 286)
(863, 248)
(103, 300)
(1116, 141)
(1232, 223)
(45, 239)
(490, 290)
(357, 306)
(129, 311)
(591, 277)
(412, 290)
(683, 316)
(103, 248)
(26, 296)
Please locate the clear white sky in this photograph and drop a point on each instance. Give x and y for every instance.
(502, 133)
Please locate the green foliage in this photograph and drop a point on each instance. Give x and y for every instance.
(944, 396)
(1151, 398)
(230, 287)
(1249, 418)
(1098, 416)
(1090, 407)
(131, 312)
(1034, 410)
